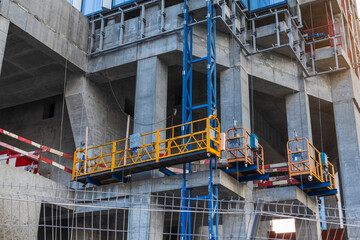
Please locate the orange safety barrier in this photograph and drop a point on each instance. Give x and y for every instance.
(238, 149)
(305, 163)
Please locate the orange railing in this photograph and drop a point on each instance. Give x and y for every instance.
(305, 161)
(238, 149)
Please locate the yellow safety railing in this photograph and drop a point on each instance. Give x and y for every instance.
(238, 149)
(154, 146)
(305, 160)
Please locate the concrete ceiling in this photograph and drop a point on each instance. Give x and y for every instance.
(29, 72)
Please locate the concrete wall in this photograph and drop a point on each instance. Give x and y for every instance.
(93, 106)
(28, 120)
(4, 28)
(21, 195)
(52, 24)
(170, 45)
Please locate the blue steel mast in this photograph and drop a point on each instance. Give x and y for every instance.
(187, 109)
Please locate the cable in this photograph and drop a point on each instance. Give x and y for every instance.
(252, 100)
(132, 118)
(321, 132)
(63, 109)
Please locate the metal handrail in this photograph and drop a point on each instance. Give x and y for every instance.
(243, 152)
(310, 164)
(154, 146)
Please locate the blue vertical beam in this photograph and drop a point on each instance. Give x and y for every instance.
(186, 117)
(211, 109)
(187, 108)
(322, 213)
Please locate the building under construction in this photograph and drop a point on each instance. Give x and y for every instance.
(179, 119)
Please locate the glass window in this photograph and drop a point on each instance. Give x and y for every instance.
(70, 1)
(91, 6)
(117, 3)
(256, 5)
(245, 3)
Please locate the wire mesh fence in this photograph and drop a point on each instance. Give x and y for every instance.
(33, 212)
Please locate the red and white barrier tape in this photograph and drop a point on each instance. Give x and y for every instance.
(6, 157)
(35, 157)
(275, 181)
(37, 145)
(277, 167)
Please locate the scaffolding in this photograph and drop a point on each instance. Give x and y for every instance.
(276, 29)
(211, 108)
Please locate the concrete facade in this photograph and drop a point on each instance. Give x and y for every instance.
(4, 31)
(50, 55)
(22, 221)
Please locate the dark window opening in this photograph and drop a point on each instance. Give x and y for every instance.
(129, 107)
(49, 110)
(178, 100)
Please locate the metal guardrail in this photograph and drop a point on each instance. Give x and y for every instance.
(238, 149)
(305, 160)
(165, 143)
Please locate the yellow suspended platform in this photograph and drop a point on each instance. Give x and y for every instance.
(162, 148)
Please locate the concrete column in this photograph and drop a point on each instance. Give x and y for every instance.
(146, 221)
(235, 104)
(150, 102)
(347, 121)
(4, 28)
(235, 225)
(346, 98)
(150, 95)
(264, 229)
(298, 115)
(150, 115)
(234, 92)
(307, 230)
(89, 105)
(202, 233)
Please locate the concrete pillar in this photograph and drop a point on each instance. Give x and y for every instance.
(234, 92)
(4, 28)
(235, 104)
(150, 115)
(235, 225)
(150, 95)
(89, 105)
(307, 230)
(347, 121)
(146, 220)
(298, 115)
(150, 102)
(346, 99)
(202, 233)
(264, 229)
